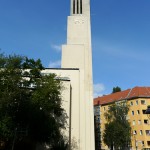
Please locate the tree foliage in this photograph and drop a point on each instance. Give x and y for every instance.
(116, 89)
(117, 131)
(30, 104)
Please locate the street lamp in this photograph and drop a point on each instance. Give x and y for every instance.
(148, 112)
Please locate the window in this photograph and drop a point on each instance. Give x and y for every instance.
(136, 102)
(148, 143)
(80, 6)
(104, 108)
(143, 111)
(138, 112)
(132, 112)
(145, 121)
(131, 103)
(143, 102)
(142, 143)
(134, 132)
(139, 121)
(141, 132)
(147, 132)
(133, 122)
(74, 6)
(98, 118)
(77, 6)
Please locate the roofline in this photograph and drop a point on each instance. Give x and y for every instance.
(129, 94)
(61, 68)
(123, 99)
(64, 80)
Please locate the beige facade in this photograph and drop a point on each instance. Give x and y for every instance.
(70, 95)
(76, 76)
(138, 99)
(77, 53)
(139, 123)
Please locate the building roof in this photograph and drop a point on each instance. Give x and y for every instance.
(135, 92)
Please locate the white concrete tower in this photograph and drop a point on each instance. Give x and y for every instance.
(77, 53)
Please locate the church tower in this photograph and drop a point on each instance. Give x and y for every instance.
(77, 53)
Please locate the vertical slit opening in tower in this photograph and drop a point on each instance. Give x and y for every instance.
(74, 6)
(80, 6)
(77, 6)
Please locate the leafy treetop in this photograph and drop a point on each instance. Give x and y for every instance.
(30, 104)
(116, 89)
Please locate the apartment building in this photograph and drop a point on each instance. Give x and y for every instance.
(97, 127)
(138, 98)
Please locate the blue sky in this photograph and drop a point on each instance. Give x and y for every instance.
(120, 37)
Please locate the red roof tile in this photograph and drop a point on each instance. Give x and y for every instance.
(126, 94)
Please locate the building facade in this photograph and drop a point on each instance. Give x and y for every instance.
(138, 98)
(76, 75)
(97, 126)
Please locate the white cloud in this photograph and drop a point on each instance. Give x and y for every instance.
(57, 48)
(54, 64)
(98, 89)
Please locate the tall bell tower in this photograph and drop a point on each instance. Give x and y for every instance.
(77, 53)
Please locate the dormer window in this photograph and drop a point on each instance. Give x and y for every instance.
(143, 102)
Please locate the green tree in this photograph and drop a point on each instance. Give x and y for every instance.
(117, 131)
(116, 89)
(30, 105)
